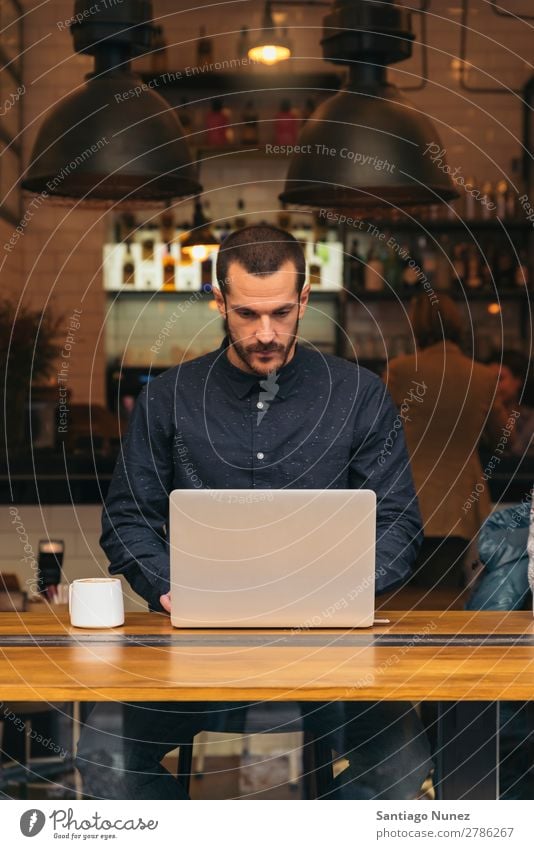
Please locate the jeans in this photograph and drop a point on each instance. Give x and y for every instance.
(387, 749)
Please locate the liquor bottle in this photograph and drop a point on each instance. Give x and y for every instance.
(127, 229)
(427, 253)
(314, 273)
(168, 260)
(300, 231)
(319, 229)
(225, 230)
(392, 267)
(168, 270)
(249, 127)
(501, 194)
(450, 210)
(286, 125)
(206, 274)
(147, 248)
(474, 278)
(521, 272)
(410, 275)
(242, 46)
(374, 272)
(184, 115)
(240, 220)
(442, 275)
(317, 251)
(303, 233)
(128, 265)
(204, 49)
(505, 200)
(149, 270)
(158, 55)
(356, 269)
(511, 203)
(488, 266)
(505, 268)
(487, 202)
(283, 218)
(459, 207)
(411, 269)
(127, 226)
(458, 266)
(470, 202)
(217, 130)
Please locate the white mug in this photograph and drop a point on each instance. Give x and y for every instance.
(96, 603)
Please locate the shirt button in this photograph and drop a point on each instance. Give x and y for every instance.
(260, 455)
(259, 405)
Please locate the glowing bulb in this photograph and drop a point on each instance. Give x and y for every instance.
(199, 253)
(494, 309)
(269, 54)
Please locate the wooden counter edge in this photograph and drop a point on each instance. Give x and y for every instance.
(306, 694)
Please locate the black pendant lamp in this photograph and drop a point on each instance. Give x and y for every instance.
(200, 241)
(271, 47)
(367, 146)
(114, 140)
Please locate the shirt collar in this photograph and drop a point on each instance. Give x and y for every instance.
(241, 382)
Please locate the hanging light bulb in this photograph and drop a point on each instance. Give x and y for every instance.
(200, 241)
(269, 54)
(199, 252)
(271, 47)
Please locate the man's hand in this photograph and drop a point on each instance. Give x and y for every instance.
(165, 601)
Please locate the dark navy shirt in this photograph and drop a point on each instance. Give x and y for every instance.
(319, 422)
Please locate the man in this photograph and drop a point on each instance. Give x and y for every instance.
(262, 411)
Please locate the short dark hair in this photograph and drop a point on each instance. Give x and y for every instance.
(519, 364)
(261, 250)
(436, 320)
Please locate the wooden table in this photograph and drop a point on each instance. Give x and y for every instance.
(465, 661)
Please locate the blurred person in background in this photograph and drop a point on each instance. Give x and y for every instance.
(516, 393)
(446, 402)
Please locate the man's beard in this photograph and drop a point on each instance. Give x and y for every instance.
(245, 352)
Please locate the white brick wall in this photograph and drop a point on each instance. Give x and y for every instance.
(61, 251)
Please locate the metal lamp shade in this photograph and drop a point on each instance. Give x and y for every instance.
(199, 243)
(102, 147)
(366, 149)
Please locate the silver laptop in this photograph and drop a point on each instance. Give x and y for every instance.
(272, 558)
